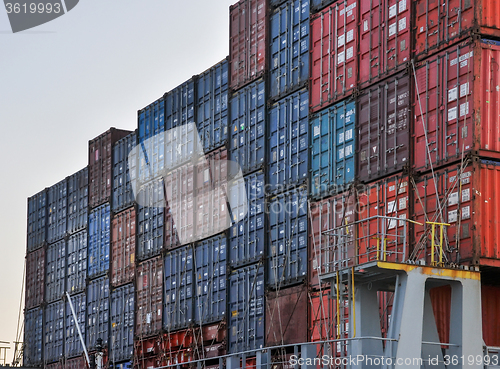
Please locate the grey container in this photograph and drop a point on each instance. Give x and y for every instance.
(57, 211)
(76, 262)
(78, 200)
(37, 221)
(123, 172)
(55, 279)
(33, 337)
(121, 345)
(53, 332)
(150, 220)
(73, 346)
(97, 312)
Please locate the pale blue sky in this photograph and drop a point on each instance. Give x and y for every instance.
(69, 80)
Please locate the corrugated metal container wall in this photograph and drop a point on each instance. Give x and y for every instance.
(78, 200)
(323, 320)
(151, 137)
(127, 365)
(210, 279)
(247, 142)
(468, 201)
(439, 24)
(76, 363)
(333, 145)
(121, 345)
(212, 104)
(246, 308)
(58, 365)
(490, 303)
(247, 41)
(384, 38)
(77, 262)
(287, 249)
(383, 128)
(285, 311)
(55, 279)
(99, 239)
(53, 332)
(33, 337)
(150, 219)
(317, 5)
(123, 247)
(123, 173)
(73, 345)
(97, 312)
(37, 220)
(57, 211)
(149, 304)
(288, 142)
(289, 38)
(35, 278)
(454, 109)
(247, 238)
(325, 215)
(100, 169)
(334, 53)
(179, 294)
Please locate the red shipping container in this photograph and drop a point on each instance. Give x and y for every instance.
(385, 300)
(247, 41)
(123, 248)
(175, 340)
(35, 278)
(213, 333)
(149, 297)
(326, 215)
(457, 104)
(384, 38)
(147, 347)
(147, 362)
(100, 166)
(440, 23)
(177, 357)
(285, 309)
(58, 365)
(470, 205)
(211, 351)
(76, 363)
(334, 53)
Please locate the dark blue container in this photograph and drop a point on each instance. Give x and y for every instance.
(33, 337)
(247, 142)
(73, 346)
(317, 5)
(99, 240)
(57, 211)
(127, 365)
(333, 145)
(121, 345)
(97, 312)
(289, 47)
(178, 286)
(289, 142)
(37, 221)
(123, 172)
(78, 200)
(210, 280)
(247, 309)
(150, 220)
(77, 262)
(212, 106)
(247, 237)
(55, 269)
(53, 332)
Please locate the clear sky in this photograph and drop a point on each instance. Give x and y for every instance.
(69, 80)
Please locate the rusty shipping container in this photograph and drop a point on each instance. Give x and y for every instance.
(148, 320)
(123, 247)
(247, 41)
(35, 278)
(456, 109)
(78, 200)
(37, 221)
(57, 200)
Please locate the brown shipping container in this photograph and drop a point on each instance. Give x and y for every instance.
(470, 205)
(456, 104)
(440, 23)
(100, 165)
(285, 309)
(76, 363)
(146, 347)
(123, 248)
(149, 297)
(384, 128)
(247, 41)
(173, 340)
(35, 278)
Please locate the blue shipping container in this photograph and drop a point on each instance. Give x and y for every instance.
(289, 47)
(99, 239)
(121, 345)
(78, 200)
(55, 270)
(33, 337)
(127, 365)
(210, 279)
(37, 221)
(287, 249)
(212, 106)
(248, 127)
(123, 173)
(97, 312)
(289, 142)
(317, 5)
(77, 262)
(57, 211)
(150, 220)
(332, 149)
(73, 345)
(54, 332)
(247, 237)
(246, 308)
(178, 285)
